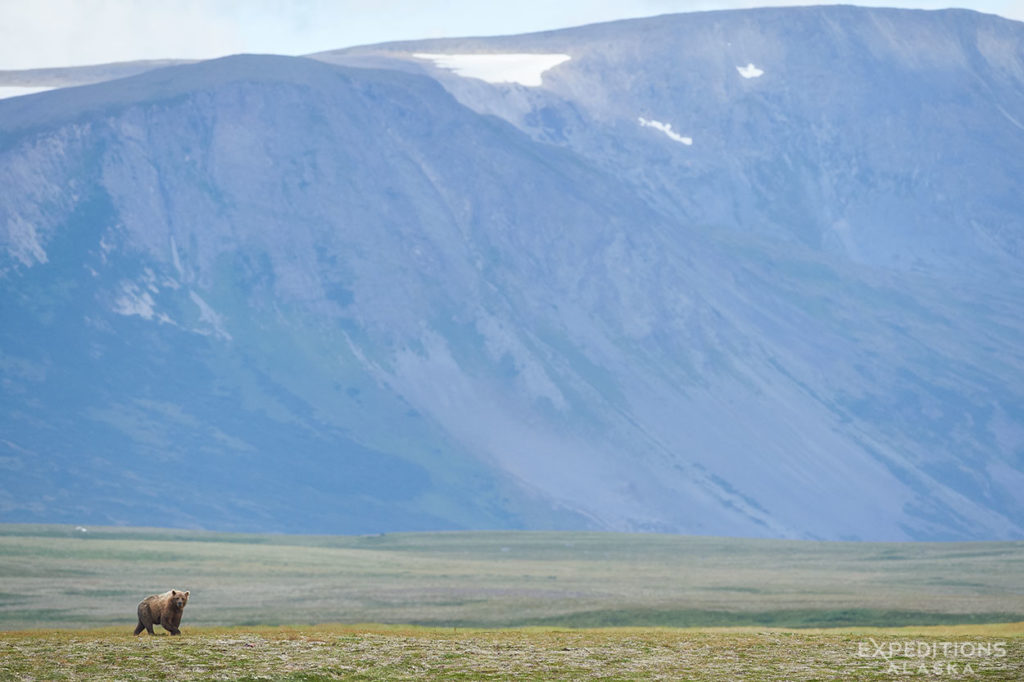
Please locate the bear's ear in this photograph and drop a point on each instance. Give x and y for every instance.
(186, 594)
(174, 592)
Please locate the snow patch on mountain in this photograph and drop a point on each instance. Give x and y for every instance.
(209, 316)
(23, 242)
(524, 69)
(750, 71)
(135, 300)
(1011, 119)
(175, 259)
(667, 129)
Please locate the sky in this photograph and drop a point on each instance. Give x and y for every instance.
(47, 33)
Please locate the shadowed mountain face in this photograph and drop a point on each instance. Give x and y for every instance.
(744, 273)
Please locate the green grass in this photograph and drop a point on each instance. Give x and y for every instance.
(785, 618)
(522, 592)
(403, 653)
(55, 576)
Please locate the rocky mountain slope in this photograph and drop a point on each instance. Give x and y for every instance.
(744, 273)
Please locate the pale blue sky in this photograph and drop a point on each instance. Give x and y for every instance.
(37, 33)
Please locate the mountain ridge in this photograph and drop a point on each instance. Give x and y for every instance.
(352, 300)
(697, 57)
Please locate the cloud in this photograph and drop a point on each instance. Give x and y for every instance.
(62, 32)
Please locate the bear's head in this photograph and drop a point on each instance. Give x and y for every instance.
(179, 599)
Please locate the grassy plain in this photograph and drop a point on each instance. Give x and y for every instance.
(57, 576)
(403, 653)
(506, 605)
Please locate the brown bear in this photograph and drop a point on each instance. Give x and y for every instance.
(162, 609)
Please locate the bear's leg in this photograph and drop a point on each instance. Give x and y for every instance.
(146, 619)
(169, 625)
(139, 628)
(173, 621)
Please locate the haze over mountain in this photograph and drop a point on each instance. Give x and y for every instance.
(81, 75)
(740, 273)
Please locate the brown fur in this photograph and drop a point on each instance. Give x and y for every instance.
(162, 609)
